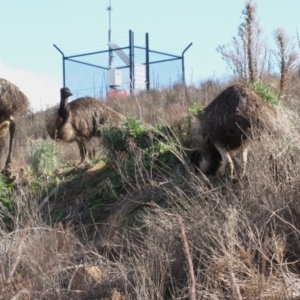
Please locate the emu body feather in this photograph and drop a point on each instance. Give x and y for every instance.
(13, 104)
(80, 120)
(226, 125)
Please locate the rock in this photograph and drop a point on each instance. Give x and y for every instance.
(85, 277)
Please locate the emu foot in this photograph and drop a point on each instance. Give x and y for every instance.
(9, 172)
(81, 163)
(19, 175)
(228, 173)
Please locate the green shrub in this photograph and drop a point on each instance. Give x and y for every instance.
(158, 144)
(6, 194)
(115, 139)
(266, 92)
(43, 157)
(196, 109)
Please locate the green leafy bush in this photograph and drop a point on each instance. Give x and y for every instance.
(266, 92)
(43, 157)
(6, 188)
(158, 143)
(195, 109)
(116, 139)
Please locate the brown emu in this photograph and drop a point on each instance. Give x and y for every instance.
(80, 120)
(226, 125)
(13, 104)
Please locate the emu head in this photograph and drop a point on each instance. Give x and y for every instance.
(195, 159)
(65, 92)
(206, 158)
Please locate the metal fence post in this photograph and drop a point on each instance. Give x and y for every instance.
(183, 70)
(147, 63)
(63, 63)
(131, 61)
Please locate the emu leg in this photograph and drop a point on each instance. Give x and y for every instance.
(12, 128)
(92, 153)
(82, 150)
(226, 159)
(244, 160)
(4, 129)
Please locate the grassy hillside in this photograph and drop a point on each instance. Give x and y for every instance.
(137, 223)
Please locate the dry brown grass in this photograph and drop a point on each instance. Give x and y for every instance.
(242, 235)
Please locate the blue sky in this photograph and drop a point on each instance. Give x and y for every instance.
(30, 28)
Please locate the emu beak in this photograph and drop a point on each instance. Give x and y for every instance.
(65, 93)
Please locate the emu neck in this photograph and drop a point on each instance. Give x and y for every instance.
(63, 110)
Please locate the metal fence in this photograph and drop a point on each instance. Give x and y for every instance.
(141, 68)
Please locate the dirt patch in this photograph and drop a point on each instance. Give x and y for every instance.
(95, 169)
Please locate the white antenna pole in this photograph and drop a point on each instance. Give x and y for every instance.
(110, 54)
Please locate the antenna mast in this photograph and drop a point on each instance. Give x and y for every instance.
(110, 54)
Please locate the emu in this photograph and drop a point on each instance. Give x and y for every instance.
(80, 120)
(225, 126)
(13, 104)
